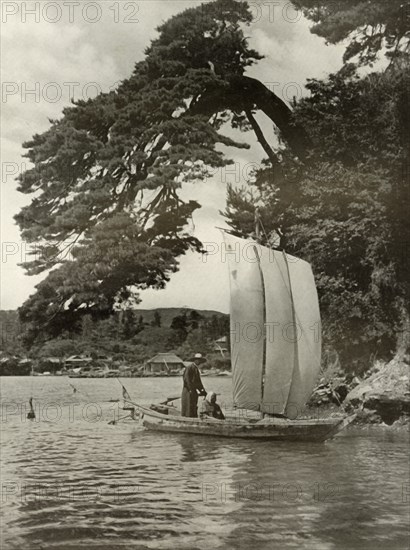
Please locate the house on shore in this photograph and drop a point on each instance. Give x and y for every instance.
(11, 365)
(164, 363)
(82, 362)
(221, 346)
(78, 361)
(49, 364)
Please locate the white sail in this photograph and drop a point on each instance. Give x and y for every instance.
(247, 318)
(280, 346)
(275, 328)
(308, 341)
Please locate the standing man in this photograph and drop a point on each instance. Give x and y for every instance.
(192, 388)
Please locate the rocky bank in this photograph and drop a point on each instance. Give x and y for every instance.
(381, 397)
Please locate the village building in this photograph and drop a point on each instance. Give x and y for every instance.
(164, 363)
(49, 364)
(75, 361)
(14, 366)
(221, 346)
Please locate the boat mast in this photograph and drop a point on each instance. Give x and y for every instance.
(296, 346)
(258, 223)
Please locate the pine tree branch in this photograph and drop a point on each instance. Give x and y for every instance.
(261, 138)
(245, 93)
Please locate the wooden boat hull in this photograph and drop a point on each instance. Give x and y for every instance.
(273, 429)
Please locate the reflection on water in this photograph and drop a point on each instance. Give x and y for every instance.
(71, 480)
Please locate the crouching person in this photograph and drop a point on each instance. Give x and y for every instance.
(209, 407)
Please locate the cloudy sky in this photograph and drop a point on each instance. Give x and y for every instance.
(52, 51)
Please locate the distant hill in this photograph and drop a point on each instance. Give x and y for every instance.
(9, 322)
(168, 313)
(111, 333)
(9, 329)
(9, 317)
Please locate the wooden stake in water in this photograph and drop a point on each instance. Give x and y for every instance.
(31, 414)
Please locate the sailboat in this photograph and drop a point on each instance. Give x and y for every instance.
(275, 352)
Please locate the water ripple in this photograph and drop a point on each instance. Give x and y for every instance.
(78, 482)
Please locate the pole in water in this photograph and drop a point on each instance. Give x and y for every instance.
(31, 414)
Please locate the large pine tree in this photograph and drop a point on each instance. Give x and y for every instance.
(106, 215)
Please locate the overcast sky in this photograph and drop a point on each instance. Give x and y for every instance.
(52, 51)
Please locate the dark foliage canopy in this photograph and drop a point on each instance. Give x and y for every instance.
(348, 212)
(369, 27)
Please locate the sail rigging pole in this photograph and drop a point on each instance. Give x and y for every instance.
(263, 328)
(296, 354)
